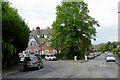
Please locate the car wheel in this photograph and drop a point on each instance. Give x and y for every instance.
(38, 67)
(24, 68)
(41, 65)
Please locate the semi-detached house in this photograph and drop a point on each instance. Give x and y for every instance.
(36, 42)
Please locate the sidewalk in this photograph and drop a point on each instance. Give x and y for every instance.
(78, 61)
(118, 61)
(13, 69)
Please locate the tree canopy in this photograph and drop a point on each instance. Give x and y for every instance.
(15, 33)
(73, 28)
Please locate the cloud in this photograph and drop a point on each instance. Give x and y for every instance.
(36, 12)
(42, 13)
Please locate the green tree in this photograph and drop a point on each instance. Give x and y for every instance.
(111, 48)
(115, 44)
(15, 34)
(102, 48)
(107, 45)
(73, 28)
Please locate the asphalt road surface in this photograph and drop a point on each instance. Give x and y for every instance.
(94, 68)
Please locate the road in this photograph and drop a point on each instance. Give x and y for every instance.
(94, 68)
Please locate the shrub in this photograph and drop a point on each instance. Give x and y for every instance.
(42, 55)
(117, 51)
(60, 55)
(114, 51)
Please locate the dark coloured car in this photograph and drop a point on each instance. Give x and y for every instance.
(33, 62)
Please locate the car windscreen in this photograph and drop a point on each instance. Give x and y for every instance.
(30, 58)
(51, 55)
(91, 53)
(110, 56)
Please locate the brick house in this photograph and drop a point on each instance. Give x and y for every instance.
(36, 42)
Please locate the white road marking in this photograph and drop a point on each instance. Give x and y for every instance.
(30, 73)
(11, 72)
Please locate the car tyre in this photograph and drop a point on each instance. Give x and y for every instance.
(38, 67)
(24, 68)
(41, 65)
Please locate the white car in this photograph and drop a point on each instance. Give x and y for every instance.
(110, 58)
(22, 59)
(50, 57)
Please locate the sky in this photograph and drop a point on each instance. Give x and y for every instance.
(42, 13)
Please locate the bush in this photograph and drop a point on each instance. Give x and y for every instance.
(42, 55)
(9, 55)
(114, 51)
(118, 52)
(60, 56)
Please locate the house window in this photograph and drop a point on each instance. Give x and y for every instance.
(34, 43)
(48, 43)
(39, 52)
(31, 44)
(36, 51)
(54, 51)
(46, 51)
(29, 51)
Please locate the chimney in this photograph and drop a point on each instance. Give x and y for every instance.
(38, 29)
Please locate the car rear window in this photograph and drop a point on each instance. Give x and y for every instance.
(47, 55)
(30, 58)
(110, 56)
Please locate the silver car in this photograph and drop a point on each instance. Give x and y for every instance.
(91, 56)
(110, 58)
(32, 62)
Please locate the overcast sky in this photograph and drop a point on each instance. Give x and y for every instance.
(42, 13)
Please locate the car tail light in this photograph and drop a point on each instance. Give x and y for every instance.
(36, 62)
(24, 64)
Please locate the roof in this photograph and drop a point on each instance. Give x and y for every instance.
(42, 31)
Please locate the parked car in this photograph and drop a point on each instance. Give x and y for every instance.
(90, 55)
(95, 54)
(110, 58)
(50, 57)
(32, 62)
(22, 59)
(98, 53)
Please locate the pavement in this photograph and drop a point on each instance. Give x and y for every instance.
(12, 70)
(118, 61)
(93, 68)
(19, 67)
